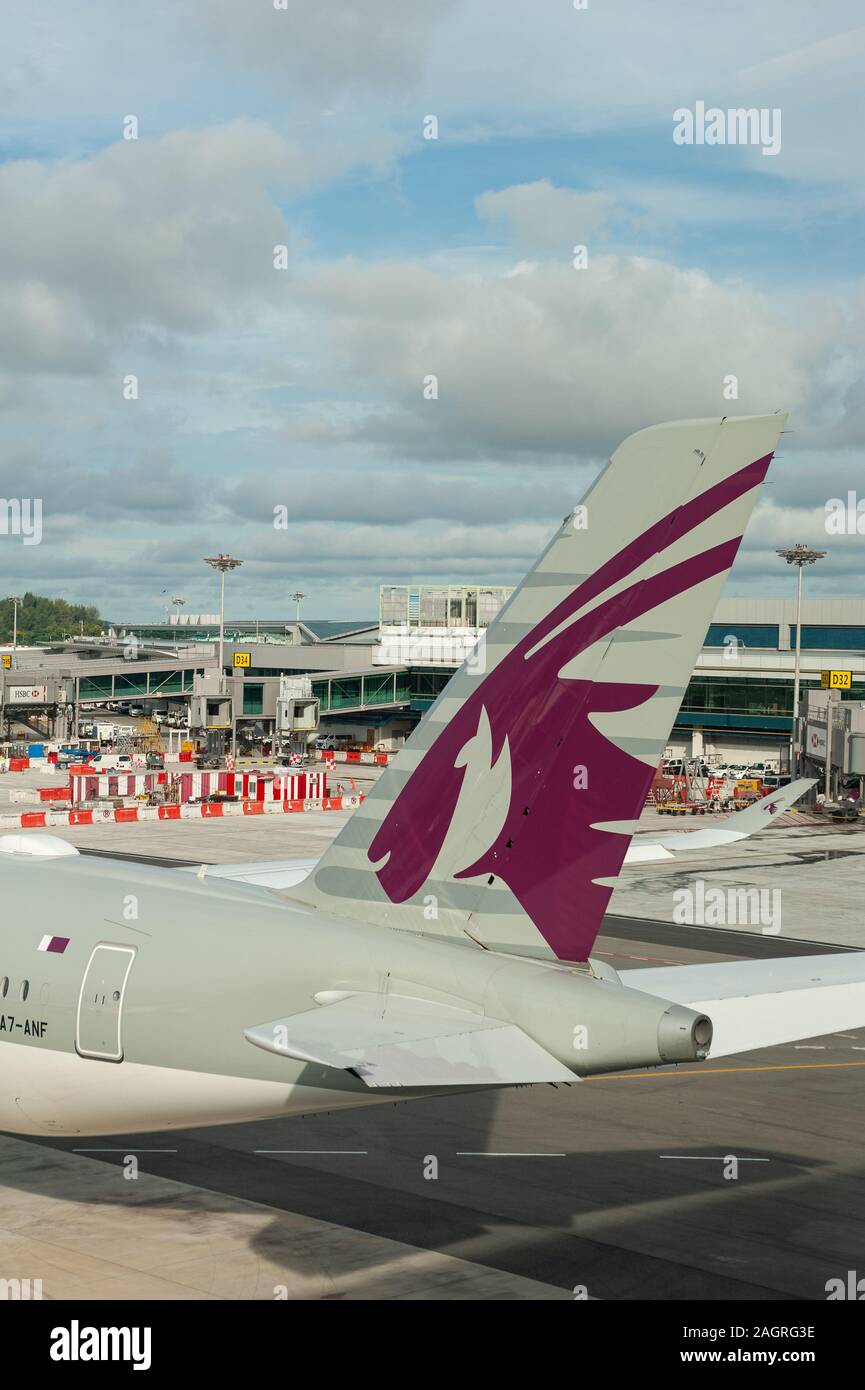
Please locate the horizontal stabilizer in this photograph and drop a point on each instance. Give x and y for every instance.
(760, 1003)
(266, 873)
(396, 1040)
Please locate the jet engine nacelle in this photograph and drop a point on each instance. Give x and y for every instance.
(593, 1025)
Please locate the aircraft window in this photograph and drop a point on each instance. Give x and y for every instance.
(25, 988)
(4, 986)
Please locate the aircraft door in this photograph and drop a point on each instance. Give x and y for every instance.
(100, 1003)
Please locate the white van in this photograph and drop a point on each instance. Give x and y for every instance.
(112, 762)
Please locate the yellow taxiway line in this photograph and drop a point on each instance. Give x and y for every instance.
(720, 1071)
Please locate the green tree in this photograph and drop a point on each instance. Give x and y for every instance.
(43, 620)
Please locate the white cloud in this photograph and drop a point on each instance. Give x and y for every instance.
(541, 215)
(326, 46)
(562, 361)
(307, 385)
(149, 237)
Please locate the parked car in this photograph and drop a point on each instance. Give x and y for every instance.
(112, 762)
(72, 757)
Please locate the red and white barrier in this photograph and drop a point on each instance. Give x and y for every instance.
(60, 793)
(248, 786)
(208, 810)
(372, 759)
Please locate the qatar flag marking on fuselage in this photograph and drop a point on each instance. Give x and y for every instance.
(54, 943)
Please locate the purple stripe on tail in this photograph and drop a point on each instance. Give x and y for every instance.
(542, 723)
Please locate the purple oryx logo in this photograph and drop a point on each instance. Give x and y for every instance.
(542, 724)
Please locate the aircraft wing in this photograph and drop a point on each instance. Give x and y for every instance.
(760, 1003)
(396, 1040)
(737, 826)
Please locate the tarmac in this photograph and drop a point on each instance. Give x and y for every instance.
(817, 872)
(735, 1179)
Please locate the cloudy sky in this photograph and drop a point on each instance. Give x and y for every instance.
(169, 376)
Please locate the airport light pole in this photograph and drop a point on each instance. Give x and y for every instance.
(223, 563)
(297, 596)
(799, 555)
(15, 599)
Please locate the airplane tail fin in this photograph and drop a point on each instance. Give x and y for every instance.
(506, 817)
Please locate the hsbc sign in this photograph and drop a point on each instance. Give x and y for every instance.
(816, 741)
(26, 695)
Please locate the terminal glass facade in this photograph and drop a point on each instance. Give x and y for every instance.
(748, 634)
(416, 687)
(761, 695)
(123, 687)
(829, 638)
(440, 605)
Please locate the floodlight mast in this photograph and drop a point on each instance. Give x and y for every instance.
(799, 555)
(223, 563)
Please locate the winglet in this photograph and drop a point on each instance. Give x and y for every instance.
(737, 826)
(764, 811)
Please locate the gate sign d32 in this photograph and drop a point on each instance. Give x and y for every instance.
(836, 680)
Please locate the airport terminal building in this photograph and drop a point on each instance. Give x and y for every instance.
(374, 680)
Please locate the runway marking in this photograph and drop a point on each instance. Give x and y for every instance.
(713, 1158)
(130, 1149)
(482, 1153)
(722, 1071)
(347, 1152)
(810, 1047)
(622, 955)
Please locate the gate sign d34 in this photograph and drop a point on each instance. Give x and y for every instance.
(836, 680)
(242, 659)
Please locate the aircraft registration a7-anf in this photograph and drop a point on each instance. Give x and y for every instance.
(444, 940)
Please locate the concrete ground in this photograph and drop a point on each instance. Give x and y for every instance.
(616, 1187)
(235, 839)
(816, 870)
